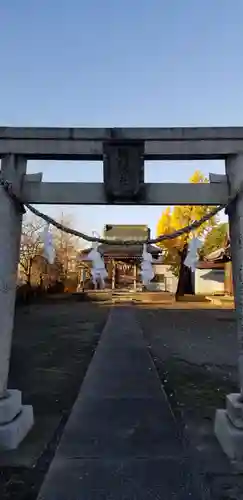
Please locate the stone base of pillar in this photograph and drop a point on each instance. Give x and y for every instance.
(15, 420)
(234, 408)
(10, 406)
(228, 428)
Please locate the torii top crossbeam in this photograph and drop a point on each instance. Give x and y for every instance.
(87, 143)
(123, 152)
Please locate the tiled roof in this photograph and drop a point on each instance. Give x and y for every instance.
(123, 251)
(219, 254)
(126, 231)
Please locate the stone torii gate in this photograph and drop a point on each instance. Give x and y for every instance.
(123, 152)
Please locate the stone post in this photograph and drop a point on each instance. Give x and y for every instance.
(113, 275)
(82, 279)
(15, 419)
(229, 422)
(135, 276)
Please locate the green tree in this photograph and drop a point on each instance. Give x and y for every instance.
(215, 239)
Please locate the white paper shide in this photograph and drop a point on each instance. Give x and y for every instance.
(192, 257)
(98, 271)
(49, 249)
(147, 271)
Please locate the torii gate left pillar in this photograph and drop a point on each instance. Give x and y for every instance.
(15, 419)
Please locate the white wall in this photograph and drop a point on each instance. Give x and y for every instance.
(170, 283)
(209, 281)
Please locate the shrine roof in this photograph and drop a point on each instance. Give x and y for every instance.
(220, 255)
(125, 232)
(120, 231)
(124, 251)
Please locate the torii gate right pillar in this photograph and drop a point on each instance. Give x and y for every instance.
(229, 422)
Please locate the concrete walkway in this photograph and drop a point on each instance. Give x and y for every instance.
(120, 442)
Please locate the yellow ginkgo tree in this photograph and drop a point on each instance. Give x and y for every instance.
(176, 249)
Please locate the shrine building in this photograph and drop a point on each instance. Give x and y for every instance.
(123, 261)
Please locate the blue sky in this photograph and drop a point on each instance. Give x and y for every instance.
(120, 63)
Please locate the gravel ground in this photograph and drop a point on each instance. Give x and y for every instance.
(195, 353)
(53, 344)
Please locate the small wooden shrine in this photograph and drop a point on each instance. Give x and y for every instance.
(221, 259)
(123, 261)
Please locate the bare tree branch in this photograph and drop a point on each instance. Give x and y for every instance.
(31, 245)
